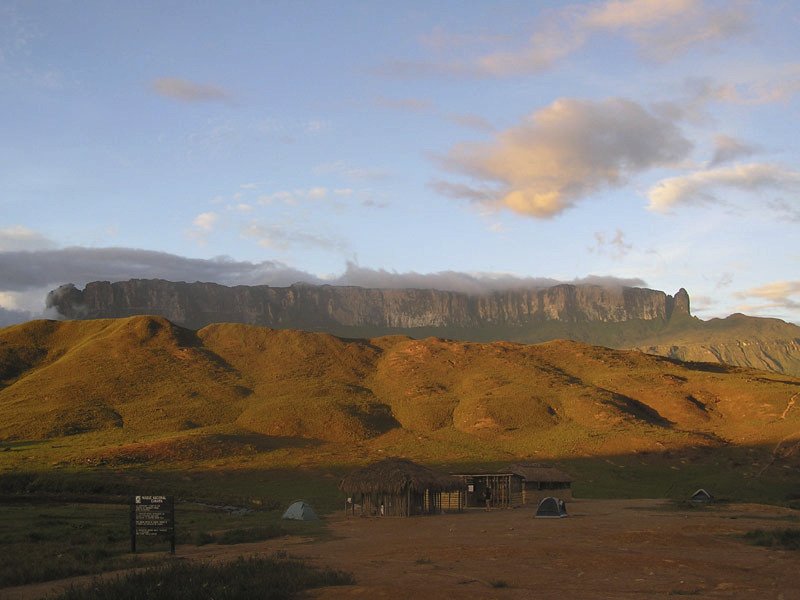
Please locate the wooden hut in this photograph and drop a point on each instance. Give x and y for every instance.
(515, 485)
(397, 487)
(542, 480)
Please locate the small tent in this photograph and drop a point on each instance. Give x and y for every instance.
(701, 497)
(300, 511)
(551, 508)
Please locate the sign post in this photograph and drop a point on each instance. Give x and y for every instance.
(153, 516)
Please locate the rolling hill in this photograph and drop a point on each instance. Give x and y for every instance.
(142, 389)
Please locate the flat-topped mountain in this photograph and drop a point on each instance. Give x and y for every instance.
(314, 307)
(618, 317)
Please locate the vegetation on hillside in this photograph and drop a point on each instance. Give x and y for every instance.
(276, 578)
(147, 391)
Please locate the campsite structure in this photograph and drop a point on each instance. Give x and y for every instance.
(397, 487)
(516, 485)
(551, 508)
(300, 511)
(701, 496)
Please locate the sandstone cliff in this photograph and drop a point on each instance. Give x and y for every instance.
(645, 319)
(301, 306)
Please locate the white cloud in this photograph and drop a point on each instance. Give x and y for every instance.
(562, 153)
(188, 91)
(701, 187)
(18, 237)
(206, 221)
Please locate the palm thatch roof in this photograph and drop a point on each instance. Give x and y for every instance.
(397, 476)
(540, 472)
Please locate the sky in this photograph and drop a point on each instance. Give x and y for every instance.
(464, 146)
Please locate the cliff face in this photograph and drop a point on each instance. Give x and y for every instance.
(299, 306)
(644, 319)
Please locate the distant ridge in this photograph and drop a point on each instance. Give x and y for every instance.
(616, 317)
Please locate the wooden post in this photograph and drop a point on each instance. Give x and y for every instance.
(133, 526)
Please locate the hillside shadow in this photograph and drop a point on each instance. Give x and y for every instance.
(702, 366)
(637, 409)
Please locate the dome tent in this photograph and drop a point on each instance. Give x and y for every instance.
(551, 508)
(701, 496)
(300, 511)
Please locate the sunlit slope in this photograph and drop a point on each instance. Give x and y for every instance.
(143, 376)
(304, 384)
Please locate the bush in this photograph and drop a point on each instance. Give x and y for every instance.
(787, 539)
(251, 578)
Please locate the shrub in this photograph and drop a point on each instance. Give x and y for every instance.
(251, 578)
(788, 539)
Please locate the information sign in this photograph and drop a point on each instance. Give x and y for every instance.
(153, 516)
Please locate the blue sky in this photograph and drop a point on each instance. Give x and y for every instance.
(468, 146)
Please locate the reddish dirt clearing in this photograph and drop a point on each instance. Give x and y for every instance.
(605, 549)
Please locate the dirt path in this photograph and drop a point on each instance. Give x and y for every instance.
(638, 549)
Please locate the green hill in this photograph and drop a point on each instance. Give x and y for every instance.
(142, 389)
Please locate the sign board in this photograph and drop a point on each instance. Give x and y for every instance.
(153, 516)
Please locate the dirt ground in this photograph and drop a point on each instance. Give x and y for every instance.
(605, 549)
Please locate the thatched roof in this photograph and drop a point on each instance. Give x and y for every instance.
(396, 476)
(540, 472)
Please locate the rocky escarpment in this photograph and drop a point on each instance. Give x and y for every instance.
(760, 343)
(330, 308)
(622, 317)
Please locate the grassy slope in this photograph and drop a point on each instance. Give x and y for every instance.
(762, 343)
(142, 390)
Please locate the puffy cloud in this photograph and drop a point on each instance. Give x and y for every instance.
(727, 149)
(205, 221)
(562, 153)
(700, 187)
(188, 91)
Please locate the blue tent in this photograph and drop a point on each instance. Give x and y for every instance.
(551, 508)
(300, 511)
